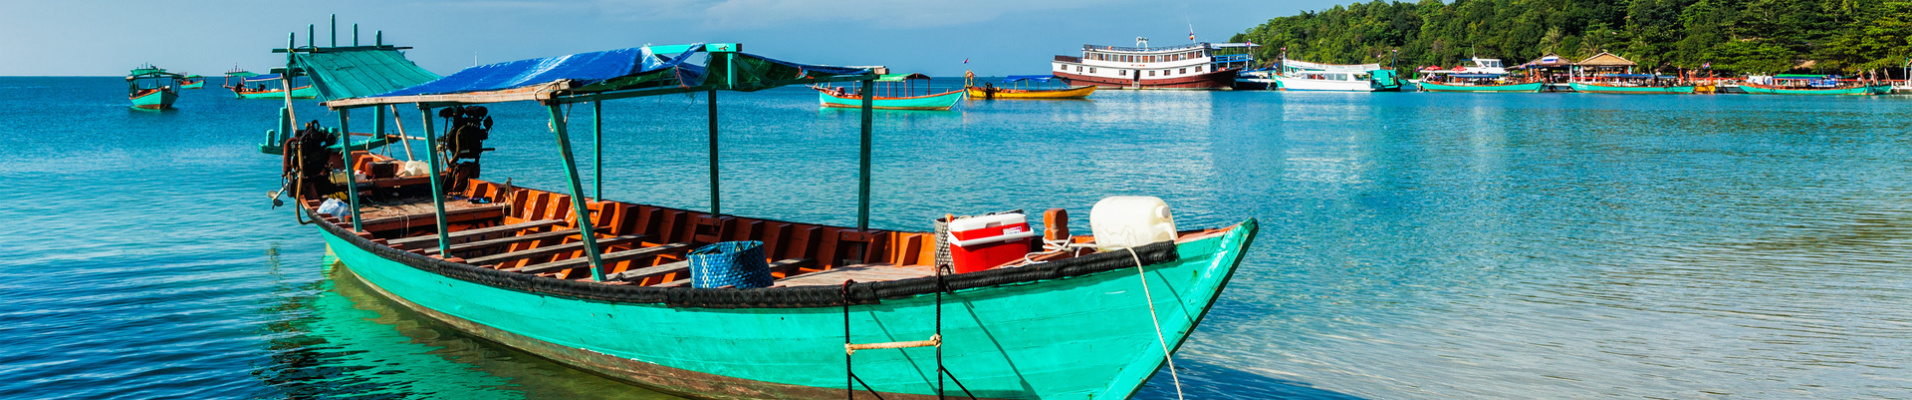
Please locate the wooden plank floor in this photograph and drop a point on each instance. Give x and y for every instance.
(859, 272)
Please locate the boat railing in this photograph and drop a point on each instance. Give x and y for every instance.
(1232, 58)
(1165, 48)
(1072, 59)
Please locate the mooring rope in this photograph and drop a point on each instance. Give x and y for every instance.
(1159, 338)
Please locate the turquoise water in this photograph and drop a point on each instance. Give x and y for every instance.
(1414, 245)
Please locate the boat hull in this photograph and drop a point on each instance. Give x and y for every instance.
(1598, 88)
(934, 102)
(195, 85)
(1317, 85)
(1090, 337)
(1755, 88)
(1533, 87)
(1217, 80)
(302, 92)
(976, 93)
(155, 100)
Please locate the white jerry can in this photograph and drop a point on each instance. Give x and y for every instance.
(1128, 221)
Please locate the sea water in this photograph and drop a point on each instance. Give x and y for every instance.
(1412, 245)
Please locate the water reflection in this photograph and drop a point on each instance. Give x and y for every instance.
(337, 338)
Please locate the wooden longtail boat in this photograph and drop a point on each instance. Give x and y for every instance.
(1015, 91)
(892, 85)
(152, 88)
(856, 311)
(1590, 87)
(192, 82)
(1859, 90)
(1530, 87)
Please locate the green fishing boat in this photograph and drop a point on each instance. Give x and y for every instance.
(192, 82)
(152, 88)
(1815, 85)
(266, 87)
(1476, 83)
(1589, 87)
(892, 93)
(853, 311)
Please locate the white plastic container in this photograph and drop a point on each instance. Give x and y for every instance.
(1128, 221)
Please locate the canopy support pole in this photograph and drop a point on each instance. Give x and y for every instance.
(438, 186)
(597, 147)
(577, 193)
(863, 174)
(351, 172)
(716, 208)
(402, 137)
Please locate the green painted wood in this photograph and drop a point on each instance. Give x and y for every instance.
(351, 172)
(1086, 337)
(1534, 87)
(155, 100)
(941, 101)
(597, 147)
(438, 187)
(1852, 91)
(577, 192)
(716, 207)
(1587, 88)
(863, 160)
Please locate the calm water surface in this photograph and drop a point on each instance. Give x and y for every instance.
(1413, 245)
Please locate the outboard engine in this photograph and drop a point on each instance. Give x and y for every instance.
(466, 129)
(307, 159)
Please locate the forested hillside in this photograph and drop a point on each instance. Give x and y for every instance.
(1748, 36)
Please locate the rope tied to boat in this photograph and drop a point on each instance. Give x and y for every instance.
(1159, 338)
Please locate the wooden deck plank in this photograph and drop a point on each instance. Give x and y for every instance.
(606, 258)
(472, 233)
(859, 272)
(532, 237)
(551, 250)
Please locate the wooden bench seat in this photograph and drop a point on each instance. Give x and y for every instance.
(430, 219)
(787, 267)
(487, 243)
(606, 258)
(458, 236)
(551, 250)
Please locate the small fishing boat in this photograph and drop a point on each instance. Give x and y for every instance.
(1485, 84)
(192, 82)
(853, 312)
(1631, 84)
(1013, 89)
(1820, 85)
(152, 88)
(891, 92)
(248, 85)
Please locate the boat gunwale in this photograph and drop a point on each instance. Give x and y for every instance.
(860, 98)
(855, 293)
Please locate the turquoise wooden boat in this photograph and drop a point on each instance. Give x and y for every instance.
(855, 311)
(886, 96)
(1584, 87)
(192, 82)
(1531, 87)
(302, 92)
(152, 88)
(1860, 90)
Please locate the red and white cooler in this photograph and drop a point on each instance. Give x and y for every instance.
(980, 243)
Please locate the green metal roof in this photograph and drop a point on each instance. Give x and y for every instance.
(358, 72)
(901, 77)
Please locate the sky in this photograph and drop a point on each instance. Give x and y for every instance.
(998, 37)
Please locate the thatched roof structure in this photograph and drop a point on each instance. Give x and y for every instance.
(1605, 59)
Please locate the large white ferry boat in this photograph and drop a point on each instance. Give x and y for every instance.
(1210, 66)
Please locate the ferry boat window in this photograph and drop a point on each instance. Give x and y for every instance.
(1182, 71)
(1078, 68)
(1151, 73)
(1125, 72)
(1091, 70)
(1059, 67)
(1198, 69)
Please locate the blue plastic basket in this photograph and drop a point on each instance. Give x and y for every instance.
(737, 264)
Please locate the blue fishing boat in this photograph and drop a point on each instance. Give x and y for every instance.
(853, 311)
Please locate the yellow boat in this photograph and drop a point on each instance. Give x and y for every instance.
(1013, 90)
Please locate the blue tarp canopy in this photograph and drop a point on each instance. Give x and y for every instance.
(1636, 76)
(1027, 78)
(633, 72)
(581, 69)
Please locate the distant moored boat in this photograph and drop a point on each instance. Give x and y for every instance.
(889, 96)
(152, 88)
